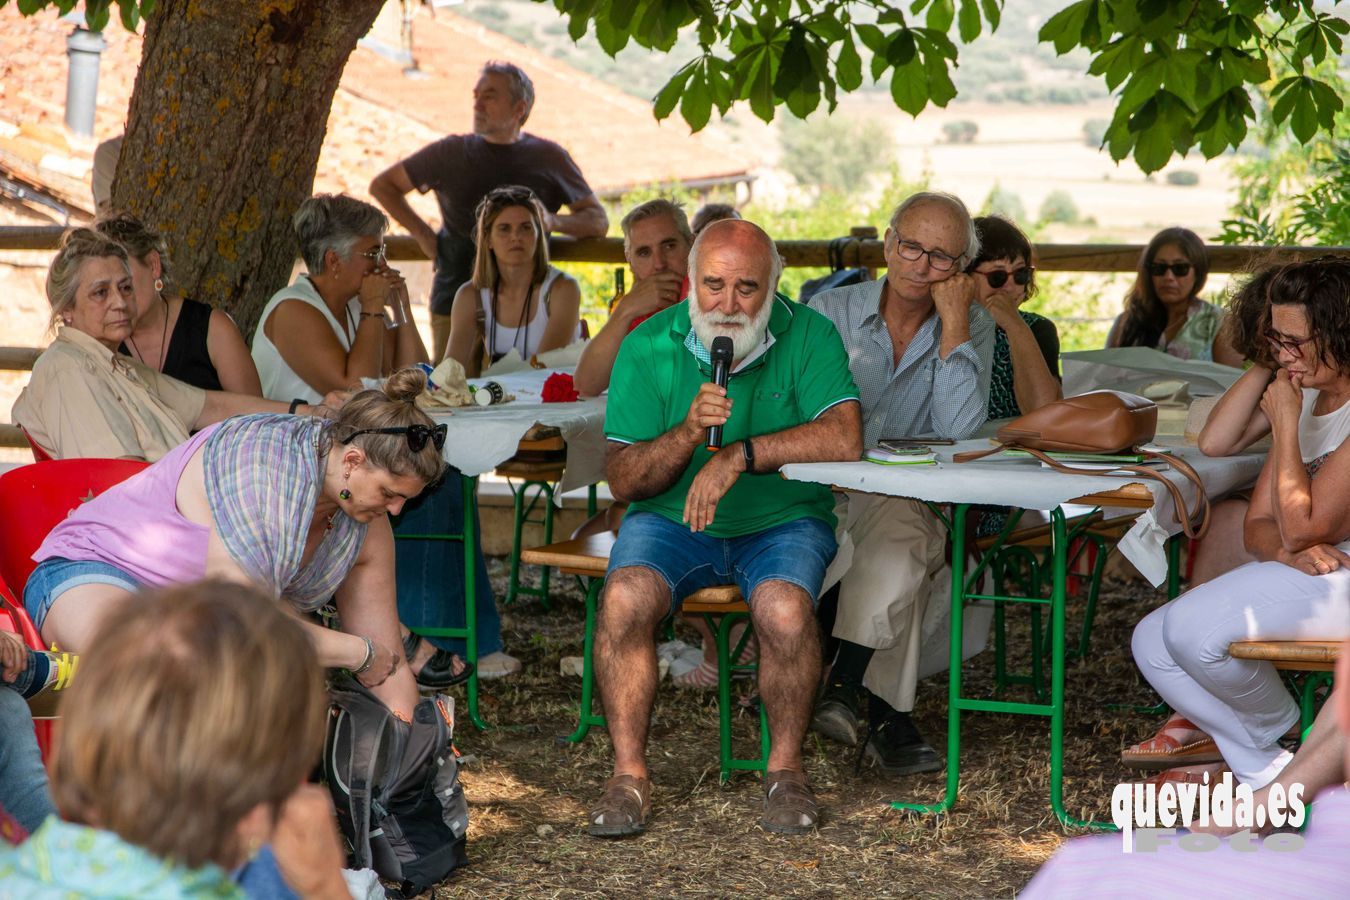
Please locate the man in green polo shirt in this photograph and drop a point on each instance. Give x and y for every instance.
(700, 518)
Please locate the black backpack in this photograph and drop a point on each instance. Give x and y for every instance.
(396, 786)
(838, 277)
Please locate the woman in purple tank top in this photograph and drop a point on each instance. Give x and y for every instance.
(296, 505)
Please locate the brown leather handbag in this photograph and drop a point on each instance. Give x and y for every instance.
(1100, 422)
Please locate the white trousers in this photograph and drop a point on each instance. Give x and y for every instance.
(890, 549)
(1182, 649)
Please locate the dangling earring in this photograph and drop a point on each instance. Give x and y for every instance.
(344, 493)
(159, 285)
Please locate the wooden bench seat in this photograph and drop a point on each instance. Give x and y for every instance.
(1302, 656)
(589, 558)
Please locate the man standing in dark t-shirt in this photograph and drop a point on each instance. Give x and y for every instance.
(463, 168)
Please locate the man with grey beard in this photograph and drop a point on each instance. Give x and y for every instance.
(701, 518)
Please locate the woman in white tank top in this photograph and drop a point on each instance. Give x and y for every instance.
(516, 299)
(1296, 529)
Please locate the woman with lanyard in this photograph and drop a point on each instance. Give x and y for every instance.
(516, 300)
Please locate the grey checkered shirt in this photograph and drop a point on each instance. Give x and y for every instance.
(923, 396)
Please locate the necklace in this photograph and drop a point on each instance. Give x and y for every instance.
(163, 340)
(331, 517)
(520, 322)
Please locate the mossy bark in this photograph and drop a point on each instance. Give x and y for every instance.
(227, 119)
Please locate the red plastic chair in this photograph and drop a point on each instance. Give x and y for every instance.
(14, 619)
(35, 499)
(39, 454)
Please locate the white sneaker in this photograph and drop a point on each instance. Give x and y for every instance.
(497, 665)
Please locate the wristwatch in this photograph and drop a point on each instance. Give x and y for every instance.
(748, 450)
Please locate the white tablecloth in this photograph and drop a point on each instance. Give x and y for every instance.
(1023, 482)
(480, 437)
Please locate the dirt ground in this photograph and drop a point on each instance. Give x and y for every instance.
(529, 793)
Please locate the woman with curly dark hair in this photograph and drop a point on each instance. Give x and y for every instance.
(1297, 530)
(1163, 309)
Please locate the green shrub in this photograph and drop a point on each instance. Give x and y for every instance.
(1059, 207)
(1183, 178)
(962, 131)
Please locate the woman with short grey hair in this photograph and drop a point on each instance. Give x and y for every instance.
(347, 318)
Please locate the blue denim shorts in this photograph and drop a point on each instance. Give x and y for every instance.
(797, 552)
(53, 577)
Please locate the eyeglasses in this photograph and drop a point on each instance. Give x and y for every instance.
(1292, 346)
(374, 254)
(999, 277)
(1158, 270)
(417, 435)
(936, 258)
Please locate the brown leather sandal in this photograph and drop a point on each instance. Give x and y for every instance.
(1163, 751)
(789, 803)
(623, 809)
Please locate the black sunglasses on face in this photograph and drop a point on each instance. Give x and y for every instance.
(417, 435)
(999, 277)
(1158, 270)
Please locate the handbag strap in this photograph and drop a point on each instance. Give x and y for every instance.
(1183, 514)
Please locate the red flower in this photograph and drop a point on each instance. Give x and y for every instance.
(558, 389)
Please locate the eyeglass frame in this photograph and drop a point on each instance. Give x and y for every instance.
(1160, 269)
(416, 435)
(1293, 347)
(1021, 277)
(900, 244)
(375, 254)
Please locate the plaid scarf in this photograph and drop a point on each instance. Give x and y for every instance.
(263, 477)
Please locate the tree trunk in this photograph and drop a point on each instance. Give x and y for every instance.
(227, 118)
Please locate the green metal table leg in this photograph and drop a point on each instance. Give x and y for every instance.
(542, 491)
(590, 501)
(469, 633)
(1174, 566)
(1058, 596)
(958, 533)
(587, 716)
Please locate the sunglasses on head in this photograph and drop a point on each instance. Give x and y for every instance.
(1158, 269)
(999, 277)
(417, 435)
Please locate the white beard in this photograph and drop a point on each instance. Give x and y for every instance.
(746, 333)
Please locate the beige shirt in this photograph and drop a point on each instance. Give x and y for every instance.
(84, 400)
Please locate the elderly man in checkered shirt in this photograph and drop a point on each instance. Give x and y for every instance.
(920, 352)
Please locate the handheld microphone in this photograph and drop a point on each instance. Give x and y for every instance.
(721, 368)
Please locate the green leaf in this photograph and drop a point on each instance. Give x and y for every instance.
(611, 39)
(29, 7)
(96, 14)
(129, 13)
(848, 66)
(940, 15)
(760, 67)
(909, 87)
(696, 104)
(1329, 103)
(669, 95)
(1065, 28)
(1179, 74)
(941, 91)
(827, 27)
(901, 50)
(873, 38)
(970, 21)
(993, 13)
(1142, 85)
(621, 13)
(1153, 147)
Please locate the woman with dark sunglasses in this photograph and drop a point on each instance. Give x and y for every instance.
(1026, 345)
(1163, 309)
(295, 505)
(1296, 532)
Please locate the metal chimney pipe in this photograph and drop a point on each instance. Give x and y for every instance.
(84, 47)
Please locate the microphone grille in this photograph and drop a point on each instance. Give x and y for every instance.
(721, 347)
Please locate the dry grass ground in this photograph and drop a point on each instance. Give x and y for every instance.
(529, 794)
